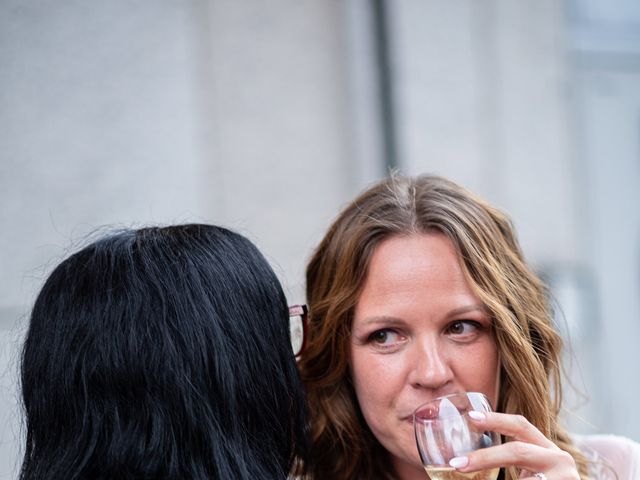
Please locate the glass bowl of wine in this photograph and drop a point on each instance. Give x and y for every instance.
(443, 431)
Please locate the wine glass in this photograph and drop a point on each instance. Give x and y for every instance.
(443, 431)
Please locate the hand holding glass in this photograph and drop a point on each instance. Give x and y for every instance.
(443, 431)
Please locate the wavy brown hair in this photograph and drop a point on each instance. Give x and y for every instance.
(529, 345)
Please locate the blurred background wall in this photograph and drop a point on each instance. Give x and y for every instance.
(267, 117)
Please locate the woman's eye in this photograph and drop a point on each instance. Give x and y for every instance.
(384, 337)
(463, 327)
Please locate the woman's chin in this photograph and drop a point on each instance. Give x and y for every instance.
(408, 468)
(405, 464)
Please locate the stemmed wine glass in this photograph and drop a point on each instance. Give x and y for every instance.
(443, 431)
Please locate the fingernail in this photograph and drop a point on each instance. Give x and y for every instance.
(459, 462)
(477, 415)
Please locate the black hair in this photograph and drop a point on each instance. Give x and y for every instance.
(162, 353)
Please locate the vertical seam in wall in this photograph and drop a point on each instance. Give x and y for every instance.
(385, 82)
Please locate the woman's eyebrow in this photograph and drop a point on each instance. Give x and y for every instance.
(380, 319)
(476, 307)
(393, 321)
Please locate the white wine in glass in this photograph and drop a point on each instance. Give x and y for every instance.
(443, 431)
(450, 473)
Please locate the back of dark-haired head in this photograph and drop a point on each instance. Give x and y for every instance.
(162, 353)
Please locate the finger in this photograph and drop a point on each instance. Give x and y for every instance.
(516, 427)
(514, 454)
(527, 456)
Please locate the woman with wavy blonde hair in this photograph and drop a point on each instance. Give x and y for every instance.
(419, 289)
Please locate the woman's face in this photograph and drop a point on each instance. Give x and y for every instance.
(418, 333)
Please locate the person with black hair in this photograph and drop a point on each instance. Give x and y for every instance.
(162, 353)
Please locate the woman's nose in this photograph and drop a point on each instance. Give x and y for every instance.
(431, 366)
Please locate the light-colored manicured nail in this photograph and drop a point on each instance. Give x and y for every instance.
(477, 415)
(459, 462)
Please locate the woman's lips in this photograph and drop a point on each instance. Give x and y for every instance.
(408, 419)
